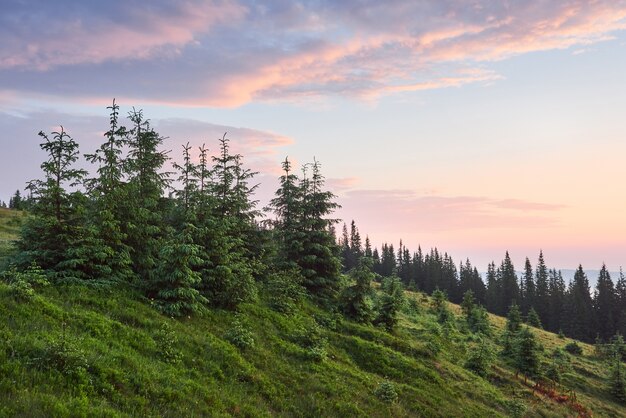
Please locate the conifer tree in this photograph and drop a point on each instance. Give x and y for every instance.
(109, 196)
(528, 282)
(175, 280)
(604, 304)
(389, 303)
(618, 375)
(533, 318)
(357, 301)
(542, 294)
(579, 308)
(557, 294)
(146, 186)
(510, 288)
(318, 260)
(57, 220)
(526, 354)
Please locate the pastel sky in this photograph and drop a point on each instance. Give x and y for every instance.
(475, 126)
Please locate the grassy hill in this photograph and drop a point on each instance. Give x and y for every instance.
(86, 351)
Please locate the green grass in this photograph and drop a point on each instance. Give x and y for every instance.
(83, 351)
(10, 222)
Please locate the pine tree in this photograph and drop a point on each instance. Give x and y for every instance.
(510, 288)
(526, 352)
(557, 295)
(618, 377)
(175, 281)
(604, 304)
(579, 308)
(57, 222)
(528, 282)
(109, 196)
(492, 293)
(514, 319)
(542, 293)
(389, 303)
(318, 260)
(620, 311)
(16, 202)
(144, 223)
(480, 358)
(357, 302)
(533, 318)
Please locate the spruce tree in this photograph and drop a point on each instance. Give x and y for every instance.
(318, 259)
(579, 309)
(533, 318)
(145, 226)
(175, 279)
(389, 303)
(528, 282)
(542, 291)
(618, 374)
(526, 354)
(509, 287)
(356, 301)
(604, 303)
(57, 221)
(109, 195)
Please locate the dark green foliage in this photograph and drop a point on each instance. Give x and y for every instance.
(480, 358)
(239, 335)
(579, 313)
(357, 301)
(175, 281)
(618, 375)
(305, 235)
(389, 303)
(311, 338)
(573, 348)
(167, 344)
(533, 318)
(478, 321)
(514, 319)
(526, 353)
(284, 291)
(386, 392)
(440, 305)
(604, 304)
(468, 303)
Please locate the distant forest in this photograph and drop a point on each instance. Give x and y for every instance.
(206, 243)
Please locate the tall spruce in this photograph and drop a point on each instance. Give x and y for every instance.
(57, 222)
(580, 318)
(542, 298)
(604, 304)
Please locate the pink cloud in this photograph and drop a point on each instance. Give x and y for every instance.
(226, 53)
(136, 33)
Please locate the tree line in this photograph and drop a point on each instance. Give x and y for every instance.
(541, 293)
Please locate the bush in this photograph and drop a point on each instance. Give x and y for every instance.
(239, 335)
(285, 291)
(167, 343)
(313, 342)
(480, 359)
(573, 348)
(386, 392)
(23, 283)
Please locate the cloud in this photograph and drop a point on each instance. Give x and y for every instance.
(43, 35)
(399, 211)
(225, 53)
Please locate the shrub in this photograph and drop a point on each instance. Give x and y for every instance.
(313, 342)
(480, 359)
(285, 291)
(386, 392)
(23, 283)
(239, 335)
(167, 343)
(573, 348)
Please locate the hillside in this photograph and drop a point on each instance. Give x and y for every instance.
(85, 351)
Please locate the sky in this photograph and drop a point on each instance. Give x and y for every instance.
(474, 126)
